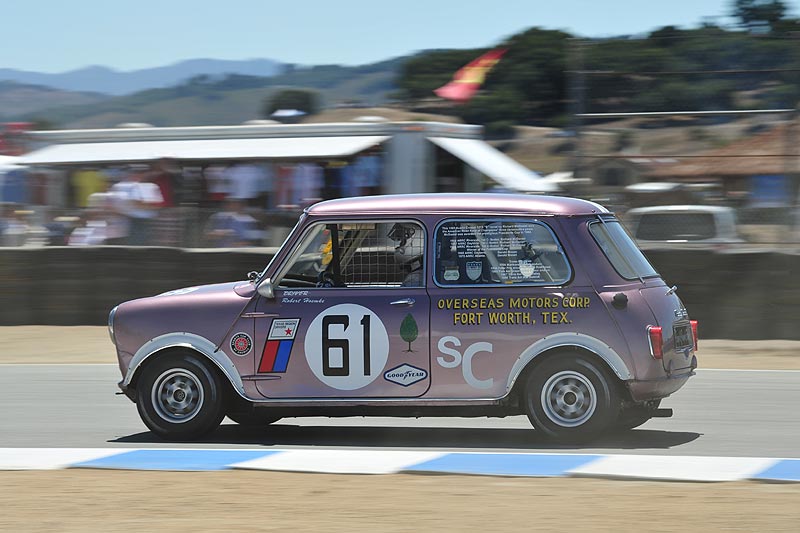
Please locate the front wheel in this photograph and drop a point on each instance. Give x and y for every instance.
(179, 397)
(571, 398)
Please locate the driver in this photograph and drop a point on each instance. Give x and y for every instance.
(407, 255)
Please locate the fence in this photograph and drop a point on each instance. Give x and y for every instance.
(752, 295)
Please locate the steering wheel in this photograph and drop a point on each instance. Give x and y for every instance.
(327, 279)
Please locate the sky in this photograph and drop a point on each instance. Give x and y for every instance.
(57, 36)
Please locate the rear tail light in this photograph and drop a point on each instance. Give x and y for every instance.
(694, 332)
(656, 339)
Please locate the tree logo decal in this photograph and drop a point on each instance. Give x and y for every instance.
(409, 330)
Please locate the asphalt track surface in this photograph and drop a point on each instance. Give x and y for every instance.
(718, 413)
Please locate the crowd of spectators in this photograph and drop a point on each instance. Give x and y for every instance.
(223, 204)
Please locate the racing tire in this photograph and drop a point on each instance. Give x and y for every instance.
(179, 397)
(632, 422)
(253, 420)
(570, 398)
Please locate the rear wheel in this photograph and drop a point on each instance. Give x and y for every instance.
(571, 398)
(179, 397)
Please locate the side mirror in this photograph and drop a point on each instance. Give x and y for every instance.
(265, 288)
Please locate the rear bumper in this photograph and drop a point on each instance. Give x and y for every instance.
(654, 389)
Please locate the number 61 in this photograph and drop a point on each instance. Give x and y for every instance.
(329, 344)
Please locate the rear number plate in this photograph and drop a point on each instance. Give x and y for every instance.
(683, 337)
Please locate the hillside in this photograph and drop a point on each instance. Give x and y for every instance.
(204, 100)
(114, 82)
(18, 99)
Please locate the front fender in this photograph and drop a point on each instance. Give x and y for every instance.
(566, 340)
(194, 342)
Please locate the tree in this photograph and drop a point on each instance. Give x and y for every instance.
(759, 15)
(665, 37)
(409, 330)
(300, 99)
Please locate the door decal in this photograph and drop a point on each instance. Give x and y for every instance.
(278, 348)
(347, 346)
(409, 331)
(241, 344)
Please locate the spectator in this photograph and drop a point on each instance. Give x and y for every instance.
(333, 183)
(92, 232)
(368, 173)
(216, 185)
(308, 181)
(247, 183)
(232, 227)
(85, 182)
(164, 178)
(14, 185)
(101, 223)
(14, 226)
(283, 187)
(137, 200)
(266, 199)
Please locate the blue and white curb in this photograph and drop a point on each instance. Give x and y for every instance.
(653, 467)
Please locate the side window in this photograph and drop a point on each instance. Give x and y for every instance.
(621, 251)
(498, 252)
(358, 254)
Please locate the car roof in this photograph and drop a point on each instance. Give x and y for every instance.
(456, 203)
(680, 208)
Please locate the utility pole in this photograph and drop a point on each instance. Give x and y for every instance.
(577, 101)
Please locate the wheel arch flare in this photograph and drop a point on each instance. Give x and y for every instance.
(190, 341)
(567, 340)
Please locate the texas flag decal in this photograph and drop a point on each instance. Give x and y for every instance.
(278, 348)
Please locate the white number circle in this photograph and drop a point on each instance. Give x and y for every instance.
(347, 346)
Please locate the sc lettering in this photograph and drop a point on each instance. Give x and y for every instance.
(451, 358)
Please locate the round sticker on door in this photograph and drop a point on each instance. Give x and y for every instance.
(241, 344)
(347, 346)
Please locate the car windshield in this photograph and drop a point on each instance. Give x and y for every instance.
(287, 239)
(621, 251)
(676, 226)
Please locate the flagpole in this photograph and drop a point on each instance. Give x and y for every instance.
(577, 102)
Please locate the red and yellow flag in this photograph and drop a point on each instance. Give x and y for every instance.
(470, 77)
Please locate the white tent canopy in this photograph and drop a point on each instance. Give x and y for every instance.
(495, 164)
(408, 166)
(8, 163)
(203, 149)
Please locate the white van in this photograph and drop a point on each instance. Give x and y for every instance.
(690, 224)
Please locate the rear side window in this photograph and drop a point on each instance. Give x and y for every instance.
(676, 227)
(621, 251)
(498, 252)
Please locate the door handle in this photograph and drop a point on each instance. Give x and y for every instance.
(405, 301)
(260, 315)
(671, 290)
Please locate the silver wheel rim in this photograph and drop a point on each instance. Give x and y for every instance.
(569, 398)
(177, 396)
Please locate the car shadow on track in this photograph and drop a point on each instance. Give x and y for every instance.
(288, 434)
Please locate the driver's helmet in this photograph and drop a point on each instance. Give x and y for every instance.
(403, 236)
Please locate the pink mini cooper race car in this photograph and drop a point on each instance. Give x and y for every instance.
(419, 305)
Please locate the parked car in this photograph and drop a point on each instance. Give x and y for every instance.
(419, 305)
(704, 225)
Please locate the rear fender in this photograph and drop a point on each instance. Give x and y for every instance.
(199, 344)
(567, 340)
